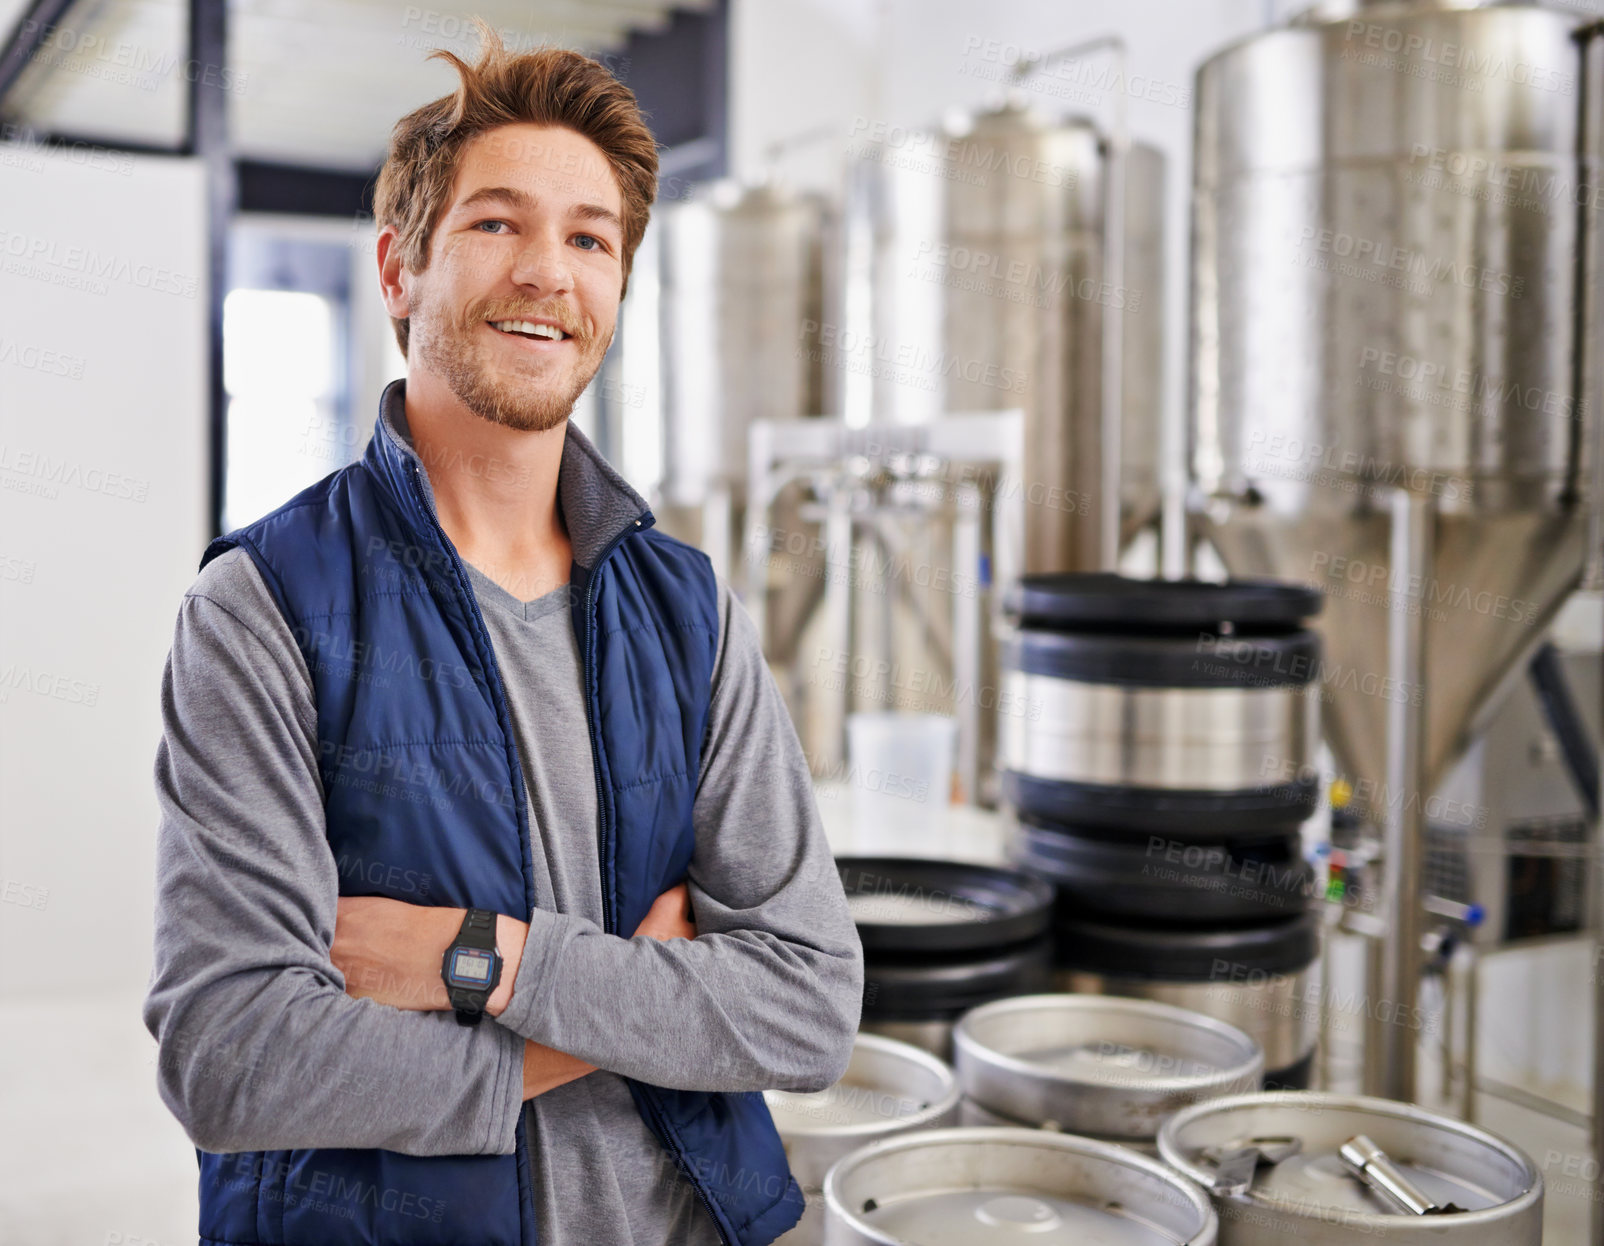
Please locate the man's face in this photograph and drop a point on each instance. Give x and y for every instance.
(533, 233)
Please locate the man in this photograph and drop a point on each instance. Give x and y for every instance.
(461, 694)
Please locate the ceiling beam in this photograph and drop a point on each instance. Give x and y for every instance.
(26, 38)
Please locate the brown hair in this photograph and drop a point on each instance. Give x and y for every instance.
(545, 86)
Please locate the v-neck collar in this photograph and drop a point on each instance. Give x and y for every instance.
(598, 505)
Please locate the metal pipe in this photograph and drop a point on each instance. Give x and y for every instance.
(1445, 1088)
(1472, 1031)
(838, 595)
(1113, 336)
(1591, 369)
(1323, 1062)
(1597, 1226)
(1524, 1098)
(1597, 1206)
(1390, 1067)
(1375, 1025)
(1589, 300)
(967, 660)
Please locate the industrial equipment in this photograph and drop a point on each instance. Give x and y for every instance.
(1009, 259)
(742, 275)
(1395, 378)
(870, 561)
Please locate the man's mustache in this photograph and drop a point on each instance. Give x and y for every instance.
(565, 319)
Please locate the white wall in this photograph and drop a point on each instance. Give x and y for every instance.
(102, 523)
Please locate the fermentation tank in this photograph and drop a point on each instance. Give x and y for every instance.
(1386, 293)
(742, 284)
(978, 279)
(1394, 218)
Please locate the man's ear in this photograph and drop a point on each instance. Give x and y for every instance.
(395, 281)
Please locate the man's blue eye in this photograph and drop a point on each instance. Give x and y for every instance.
(490, 223)
(592, 238)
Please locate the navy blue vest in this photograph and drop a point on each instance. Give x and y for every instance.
(421, 775)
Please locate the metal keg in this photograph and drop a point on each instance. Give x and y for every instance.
(941, 937)
(912, 906)
(1309, 1180)
(919, 1003)
(1176, 708)
(889, 1088)
(1099, 1067)
(1262, 979)
(987, 1185)
(1159, 879)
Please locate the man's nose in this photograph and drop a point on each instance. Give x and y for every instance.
(543, 263)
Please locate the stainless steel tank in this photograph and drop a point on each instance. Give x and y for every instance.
(1395, 374)
(742, 290)
(1389, 215)
(978, 279)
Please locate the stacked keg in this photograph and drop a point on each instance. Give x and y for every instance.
(942, 937)
(1159, 761)
(1111, 1069)
(889, 1089)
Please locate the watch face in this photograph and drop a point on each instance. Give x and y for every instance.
(471, 967)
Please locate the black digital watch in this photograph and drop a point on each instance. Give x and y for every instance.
(472, 966)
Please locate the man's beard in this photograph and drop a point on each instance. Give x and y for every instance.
(504, 395)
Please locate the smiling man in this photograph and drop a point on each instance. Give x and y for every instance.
(491, 889)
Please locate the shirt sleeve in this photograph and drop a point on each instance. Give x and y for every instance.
(768, 995)
(259, 1046)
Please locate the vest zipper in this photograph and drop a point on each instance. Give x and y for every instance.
(604, 812)
(493, 672)
(493, 679)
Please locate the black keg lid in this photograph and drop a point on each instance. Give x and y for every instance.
(1223, 956)
(1158, 881)
(910, 905)
(1095, 599)
(1187, 814)
(943, 990)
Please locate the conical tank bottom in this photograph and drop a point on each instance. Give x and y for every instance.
(1497, 580)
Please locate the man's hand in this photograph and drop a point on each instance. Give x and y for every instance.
(546, 1068)
(390, 951)
(670, 916)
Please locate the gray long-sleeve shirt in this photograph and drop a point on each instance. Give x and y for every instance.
(261, 1048)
